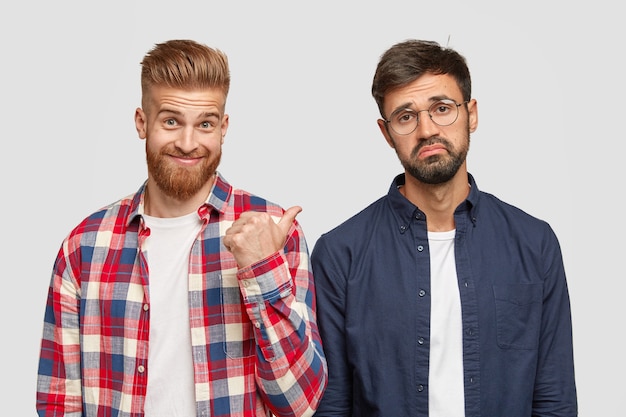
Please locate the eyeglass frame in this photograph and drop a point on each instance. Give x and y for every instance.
(417, 112)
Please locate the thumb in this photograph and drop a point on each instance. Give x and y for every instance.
(288, 217)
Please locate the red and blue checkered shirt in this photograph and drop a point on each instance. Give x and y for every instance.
(256, 347)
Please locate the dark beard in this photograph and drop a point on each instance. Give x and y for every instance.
(436, 169)
(178, 182)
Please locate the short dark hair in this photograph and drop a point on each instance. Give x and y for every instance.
(406, 61)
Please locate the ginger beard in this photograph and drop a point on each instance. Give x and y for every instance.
(435, 169)
(179, 182)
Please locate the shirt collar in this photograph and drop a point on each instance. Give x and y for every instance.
(220, 194)
(217, 199)
(406, 210)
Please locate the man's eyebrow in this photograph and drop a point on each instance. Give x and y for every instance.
(403, 106)
(211, 114)
(179, 113)
(410, 105)
(439, 98)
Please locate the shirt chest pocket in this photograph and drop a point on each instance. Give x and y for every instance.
(518, 315)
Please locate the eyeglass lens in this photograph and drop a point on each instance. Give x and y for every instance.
(443, 113)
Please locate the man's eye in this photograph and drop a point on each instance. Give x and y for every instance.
(170, 122)
(442, 108)
(209, 124)
(406, 117)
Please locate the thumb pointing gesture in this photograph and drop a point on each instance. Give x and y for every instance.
(288, 217)
(255, 235)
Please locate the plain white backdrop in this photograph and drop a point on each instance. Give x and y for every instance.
(548, 77)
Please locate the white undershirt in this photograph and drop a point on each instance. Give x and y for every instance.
(445, 380)
(171, 390)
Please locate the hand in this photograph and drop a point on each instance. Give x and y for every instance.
(255, 236)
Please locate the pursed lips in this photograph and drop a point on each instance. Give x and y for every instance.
(428, 150)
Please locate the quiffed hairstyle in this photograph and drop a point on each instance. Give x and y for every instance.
(184, 64)
(406, 61)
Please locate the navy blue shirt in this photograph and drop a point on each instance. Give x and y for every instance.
(372, 277)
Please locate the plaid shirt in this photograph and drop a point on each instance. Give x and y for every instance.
(256, 347)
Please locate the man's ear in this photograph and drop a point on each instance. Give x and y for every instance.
(383, 129)
(224, 126)
(472, 111)
(140, 123)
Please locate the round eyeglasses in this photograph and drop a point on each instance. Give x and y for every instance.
(443, 113)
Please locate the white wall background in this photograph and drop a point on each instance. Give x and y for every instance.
(548, 76)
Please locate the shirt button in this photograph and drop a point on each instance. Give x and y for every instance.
(257, 324)
(420, 388)
(141, 369)
(422, 293)
(420, 340)
(146, 307)
(420, 248)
